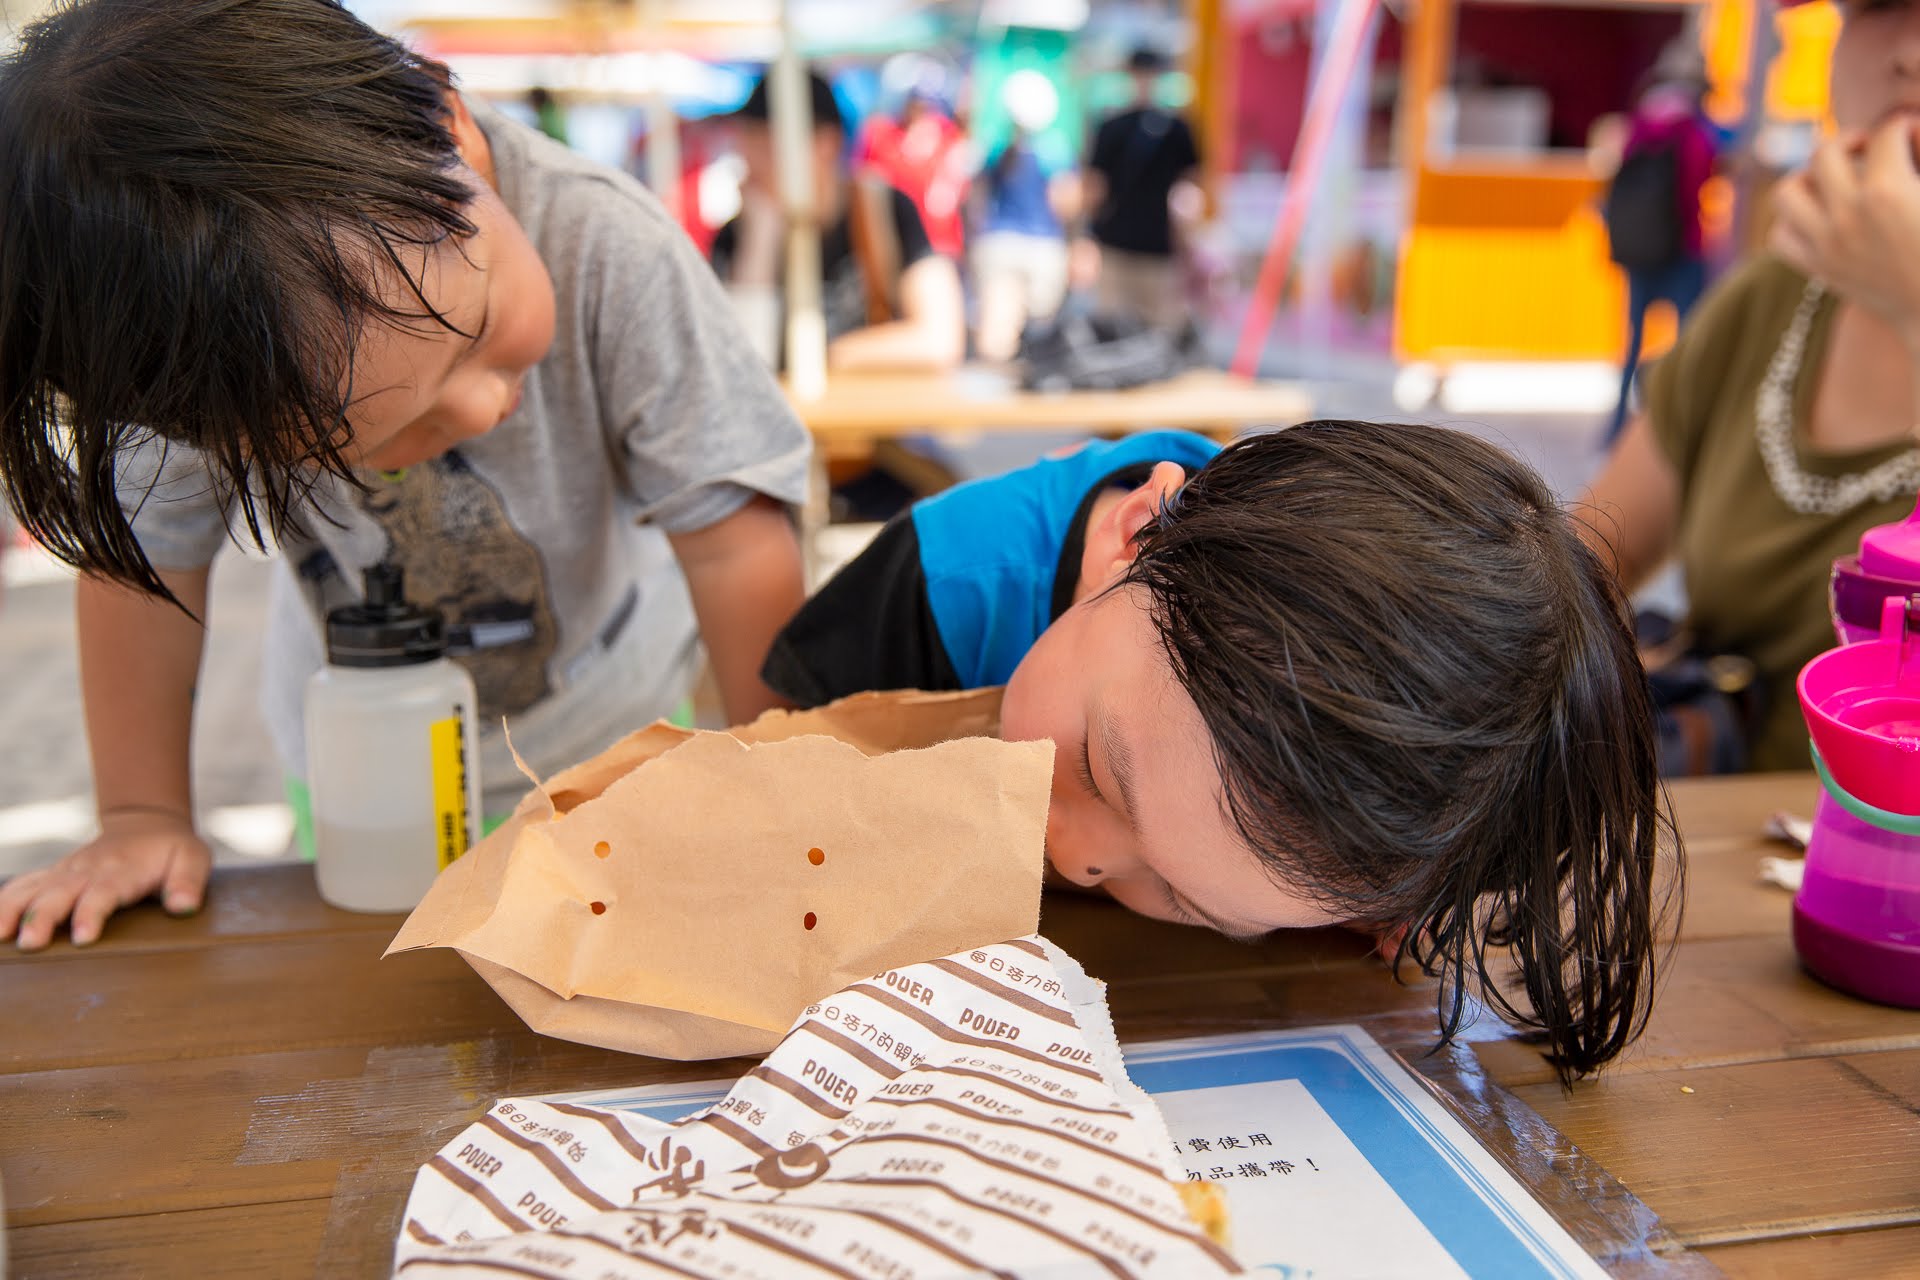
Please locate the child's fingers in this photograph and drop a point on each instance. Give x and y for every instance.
(100, 899)
(15, 894)
(48, 909)
(185, 885)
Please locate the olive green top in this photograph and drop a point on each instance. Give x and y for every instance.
(1756, 570)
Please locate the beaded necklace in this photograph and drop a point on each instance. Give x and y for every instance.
(1773, 428)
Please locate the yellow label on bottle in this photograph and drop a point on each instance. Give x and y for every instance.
(452, 824)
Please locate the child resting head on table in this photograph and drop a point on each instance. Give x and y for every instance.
(1345, 673)
(263, 271)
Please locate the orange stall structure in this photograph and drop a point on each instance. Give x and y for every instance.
(1505, 255)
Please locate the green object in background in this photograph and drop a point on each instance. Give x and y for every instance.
(300, 797)
(300, 800)
(1013, 49)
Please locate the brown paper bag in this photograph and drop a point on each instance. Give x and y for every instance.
(685, 894)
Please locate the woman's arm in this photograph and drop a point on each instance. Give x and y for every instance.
(1630, 514)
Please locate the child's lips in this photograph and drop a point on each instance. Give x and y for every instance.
(513, 405)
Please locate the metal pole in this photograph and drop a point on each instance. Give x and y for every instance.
(1316, 129)
(789, 104)
(663, 125)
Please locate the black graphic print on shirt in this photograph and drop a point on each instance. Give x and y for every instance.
(447, 529)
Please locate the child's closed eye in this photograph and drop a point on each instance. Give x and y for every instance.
(1084, 767)
(1181, 911)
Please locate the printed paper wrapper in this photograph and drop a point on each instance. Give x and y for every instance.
(959, 1117)
(685, 894)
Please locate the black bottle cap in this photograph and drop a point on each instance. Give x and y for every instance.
(383, 630)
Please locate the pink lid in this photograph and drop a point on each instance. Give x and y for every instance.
(1893, 550)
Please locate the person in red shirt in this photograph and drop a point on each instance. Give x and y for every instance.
(924, 155)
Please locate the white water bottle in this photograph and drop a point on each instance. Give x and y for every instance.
(392, 752)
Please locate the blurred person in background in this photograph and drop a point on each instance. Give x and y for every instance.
(889, 300)
(1652, 209)
(548, 115)
(1140, 169)
(1019, 246)
(922, 153)
(1782, 425)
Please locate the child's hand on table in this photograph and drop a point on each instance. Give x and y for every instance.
(135, 855)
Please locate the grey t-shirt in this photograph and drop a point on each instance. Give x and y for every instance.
(650, 415)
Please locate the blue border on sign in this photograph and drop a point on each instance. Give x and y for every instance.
(1474, 1221)
(1452, 1197)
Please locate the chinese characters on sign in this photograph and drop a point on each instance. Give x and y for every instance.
(1250, 1161)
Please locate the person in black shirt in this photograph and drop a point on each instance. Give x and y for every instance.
(889, 300)
(1139, 158)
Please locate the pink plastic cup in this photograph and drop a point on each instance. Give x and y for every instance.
(1856, 919)
(1862, 706)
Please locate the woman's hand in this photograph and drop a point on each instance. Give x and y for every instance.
(1851, 220)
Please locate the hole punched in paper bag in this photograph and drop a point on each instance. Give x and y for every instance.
(937, 830)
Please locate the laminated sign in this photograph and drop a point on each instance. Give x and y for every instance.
(685, 894)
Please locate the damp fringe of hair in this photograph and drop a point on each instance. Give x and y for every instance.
(1428, 710)
(208, 202)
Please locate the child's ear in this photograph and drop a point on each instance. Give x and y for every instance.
(1110, 540)
(468, 140)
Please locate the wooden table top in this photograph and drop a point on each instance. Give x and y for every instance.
(249, 1092)
(857, 409)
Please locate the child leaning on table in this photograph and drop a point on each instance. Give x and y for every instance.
(1346, 673)
(262, 269)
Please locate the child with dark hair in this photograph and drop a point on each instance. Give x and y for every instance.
(262, 269)
(1346, 673)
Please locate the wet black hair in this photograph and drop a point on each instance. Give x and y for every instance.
(1427, 710)
(206, 201)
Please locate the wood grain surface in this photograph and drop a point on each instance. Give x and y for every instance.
(249, 1092)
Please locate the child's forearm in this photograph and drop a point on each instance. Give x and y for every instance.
(745, 577)
(139, 660)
